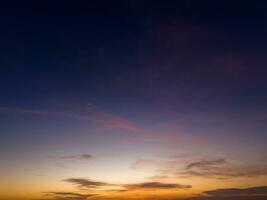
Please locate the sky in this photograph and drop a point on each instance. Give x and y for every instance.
(133, 100)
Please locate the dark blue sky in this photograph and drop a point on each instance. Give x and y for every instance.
(97, 54)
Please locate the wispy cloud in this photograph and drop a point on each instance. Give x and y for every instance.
(206, 163)
(221, 169)
(87, 183)
(145, 163)
(99, 117)
(142, 164)
(146, 135)
(205, 168)
(94, 114)
(73, 157)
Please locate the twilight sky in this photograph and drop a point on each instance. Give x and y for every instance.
(136, 100)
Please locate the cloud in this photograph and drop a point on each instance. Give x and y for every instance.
(237, 192)
(202, 168)
(68, 196)
(94, 114)
(97, 185)
(156, 185)
(99, 117)
(87, 183)
(206, 164)
(221, 169)
(168, 163)
(146, 135)
(254, 193)
(73, 157)
(111, 120)
(145, 163)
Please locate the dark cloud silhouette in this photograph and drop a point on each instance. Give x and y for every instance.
(229, 198)
(87, 183)
(73, 157)
(68, 196)
(206, 164)
(233, 191)
(90, 184)
(254, 193)
(156, 185)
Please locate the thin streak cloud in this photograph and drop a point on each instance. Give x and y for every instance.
(95, 115)
(73, 157)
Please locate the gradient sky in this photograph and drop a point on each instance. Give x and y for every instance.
(133, 100)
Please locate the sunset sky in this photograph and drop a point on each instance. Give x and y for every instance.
(133, 100)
